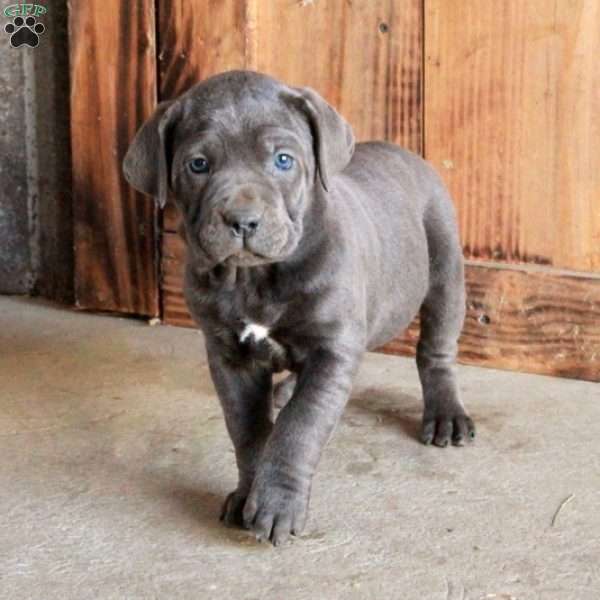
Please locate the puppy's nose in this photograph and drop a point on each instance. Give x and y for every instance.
(243, 222)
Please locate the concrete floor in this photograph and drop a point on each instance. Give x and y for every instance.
(115, 462)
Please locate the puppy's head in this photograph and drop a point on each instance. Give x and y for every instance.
(241, 154)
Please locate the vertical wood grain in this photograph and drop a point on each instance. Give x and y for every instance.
(197, 40)
(511, 121)
(363, 56)
(113, 90)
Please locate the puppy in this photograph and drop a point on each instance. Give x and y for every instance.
(304, 250)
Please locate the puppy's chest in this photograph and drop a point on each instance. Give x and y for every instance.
(257, 342)
(252, 326)
(254, 317)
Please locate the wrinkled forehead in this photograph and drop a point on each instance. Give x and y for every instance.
(235, 113)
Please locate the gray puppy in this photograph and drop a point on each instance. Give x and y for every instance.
(304, 250)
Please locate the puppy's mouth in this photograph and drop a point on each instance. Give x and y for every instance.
(245, 258)
(270, 243)
(251, 252)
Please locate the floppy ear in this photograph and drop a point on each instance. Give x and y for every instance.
(332, 135)
(146, 165)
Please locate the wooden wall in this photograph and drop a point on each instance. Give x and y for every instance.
(113, 90)
(512, 122)
(502, 97)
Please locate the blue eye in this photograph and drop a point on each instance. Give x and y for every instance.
(284, 162)
(198, 165)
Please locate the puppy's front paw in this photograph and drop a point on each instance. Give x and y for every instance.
(232, 511)
(445, 424)
(274, 511)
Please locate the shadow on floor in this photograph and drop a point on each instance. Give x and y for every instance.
(389, 407)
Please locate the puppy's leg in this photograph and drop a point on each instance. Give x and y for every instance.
(278, 501)
(442, 316)
(245, 395)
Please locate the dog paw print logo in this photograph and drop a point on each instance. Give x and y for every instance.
(25, 29)
(24, 32)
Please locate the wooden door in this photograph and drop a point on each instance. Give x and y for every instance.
(113, 90)
(512, 122)
(502, 97)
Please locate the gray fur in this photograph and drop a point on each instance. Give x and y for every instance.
(335, 257)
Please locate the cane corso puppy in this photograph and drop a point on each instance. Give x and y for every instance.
(304, 250)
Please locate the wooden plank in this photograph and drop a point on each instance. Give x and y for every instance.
(175, 311)
(511, 121)
(536, 321)
(197, 40)
(113, 90)
(364, 57)
(171, 218)
(523, 319)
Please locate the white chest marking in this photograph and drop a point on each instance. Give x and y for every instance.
(258, 332)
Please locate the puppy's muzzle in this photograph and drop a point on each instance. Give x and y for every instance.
(243, 212)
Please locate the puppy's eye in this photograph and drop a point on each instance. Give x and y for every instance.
(284, 162)
(198, 165)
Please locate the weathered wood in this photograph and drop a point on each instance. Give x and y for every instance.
(364, 56)
(171, 218)
(197, 40)
(539, 321)
(524, 319)
(175, 311)
(511, 122)
(113, 90)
